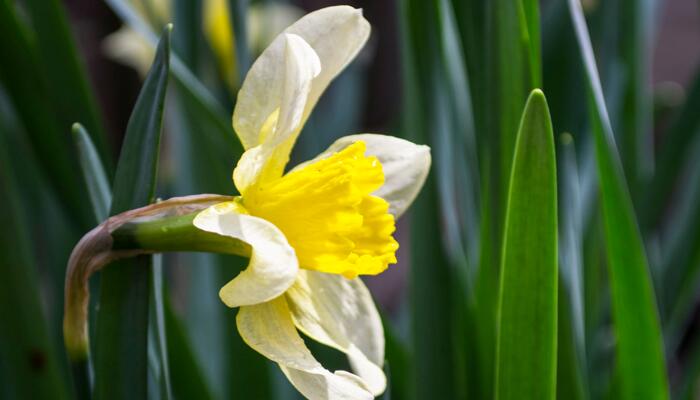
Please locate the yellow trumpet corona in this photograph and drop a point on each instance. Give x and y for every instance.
(328, 214)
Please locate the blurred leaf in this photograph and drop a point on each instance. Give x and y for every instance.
(570, 368)
(238, 10)
(636, 45)
(159, 364)
(27, 358)
(187, 379)
(437, 111)
(120, 361)
(68, 88)
(397, 365)
(674, 152)
(527, 334)
(187, 37)
(530, 10)
(689, 386)
(27, 88)
(571, 343)
(195, 94)
(432, 322)
(471, 16)
(680, 265)
(640, 359)
(93, 173)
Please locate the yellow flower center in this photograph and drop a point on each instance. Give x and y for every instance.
(328, 214)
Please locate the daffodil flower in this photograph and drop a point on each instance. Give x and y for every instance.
(309, 233)
(316, 228)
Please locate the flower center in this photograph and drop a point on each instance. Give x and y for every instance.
(327, 212)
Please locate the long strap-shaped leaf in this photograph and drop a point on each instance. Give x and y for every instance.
(94, 173)
(527, 335)
(29, 363)
(122, 324)
(26, 86)
(68, 87)
(640, 358)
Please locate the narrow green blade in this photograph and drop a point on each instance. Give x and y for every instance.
(571, 348)
(531, 16)
(432, 322)
(186, 376)
(238, 10)
(680, 257)
(157, 346)
(640, 360)
(437, 111)
(122, 324)
(27, 358)
(689, 383)
(93, 173)
(28, 90)
(69, 91)
(527, 335)
(674, 152)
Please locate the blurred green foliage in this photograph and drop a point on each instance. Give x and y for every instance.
(536, 270)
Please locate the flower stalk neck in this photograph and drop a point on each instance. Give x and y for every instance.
(161, 227)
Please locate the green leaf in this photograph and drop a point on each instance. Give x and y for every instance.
(680, 256)
(93, 173)
(437, 111)
(27, 358)
(571, 343)
(527, 335)
(120, 359)
(186, 375)
(511, 81)
(530, 13)
(28, 91)
(689, 384)
(570, 367)
(397, 364)
(640, 359)
(431, 318)
(187, 37)
(636, 129)
(69, 91)
(238, 10)
(157, 346)
(674, 151)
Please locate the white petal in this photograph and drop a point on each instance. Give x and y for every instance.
(406, 166)
(273, 264)
(269, 330)
(283, 122)
(303, 65)
(340, 313)
(335, 34)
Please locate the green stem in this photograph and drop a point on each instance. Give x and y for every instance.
(175, 233)
(161, 227)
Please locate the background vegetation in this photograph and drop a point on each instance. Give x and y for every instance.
(543, 258)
